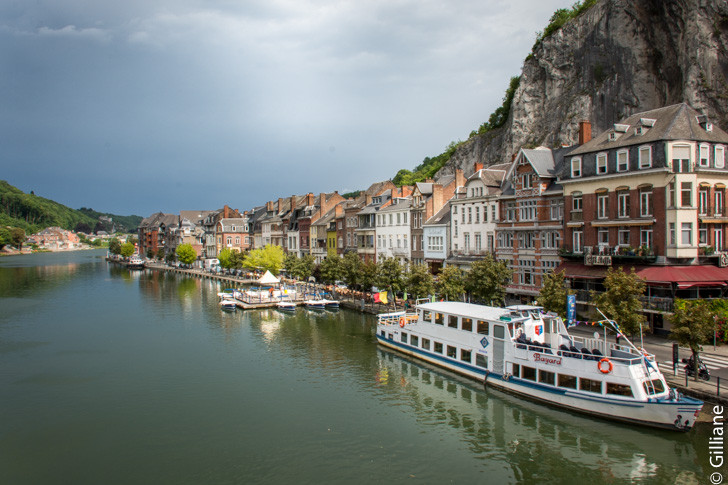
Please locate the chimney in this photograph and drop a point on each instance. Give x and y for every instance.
(226, 212)
(269, 206)
(339, 210)
(309, 199)
(367, 199)
(459, 178)
(585, 134)
(437, 201)
(293, 202)
(280, 204)
(478, 166)
(322, 204)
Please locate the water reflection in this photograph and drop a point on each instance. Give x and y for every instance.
(537, 442)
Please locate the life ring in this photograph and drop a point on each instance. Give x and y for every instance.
(608, 369)
(402, 322)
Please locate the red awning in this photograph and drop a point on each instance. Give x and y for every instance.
(683, 276)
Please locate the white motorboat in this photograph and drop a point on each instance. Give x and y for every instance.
(286, 306)
(525, 351)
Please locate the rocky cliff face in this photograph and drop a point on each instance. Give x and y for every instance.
(618, 58)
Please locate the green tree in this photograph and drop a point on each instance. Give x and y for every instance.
(5, 237)
(268, 258)
(390, 275)
(351, 269)
(552, 296)
(331, 269)
(114, 246)
(451, 283)
(186, 253)
(299, 268)
(487, 279)
(17, 237)
(225, 257)
(171, 257)
(621, 299)
(693, 324)
(419, 281)
(127, 249)
(236, 259)
(369, 272)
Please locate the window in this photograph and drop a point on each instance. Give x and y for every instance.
(551, 239)
(493, 213)
(528, 373)
(438, 347)
(646, 202)
(686, 194)
(516, 370)
(702, 234)
(576, 201)
(466, 244)
(603, 236)
(414, 341)
(470, 215)
(622, 161)
(510, 211)
(703, 155)
(578, 241)
(481, 361)
(483, 327)
(718, 238)
(556, 210)
(645, 157)
(719, 156)
(403, 337)
(673, 238)
(477, 214)
(655, 386)
(619, 389)
(719, 202)
(452, 321)
(703, 201)
(623, 236)
(527, 267)
(439, 319)
(452, 352)
(426, 343)
(686, 233)
(478, 242)
(603, 206)
(590, 385)
(466, 356)
(601, 163)
(646, 237)
(576, 167)
(681, 159)
(671, 196)
(623, 203)
(526, 181)
(527, 210)
(567, 381)
(546, 377)
(526, 240)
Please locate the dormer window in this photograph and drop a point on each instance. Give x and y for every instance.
(601, 163)
(612, 136)
(647, 122)
(703, 157)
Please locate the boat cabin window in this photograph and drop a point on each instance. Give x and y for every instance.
(426, 343)
(516, 370)
(403, 337)
(546, 377)
(452, 352)
(619, 389)
(466, 324)
(439, 318)
(390, 336)
(466, 356)
(481, 361)
(528, 373)
(590, 385)
(438, 347)
(383, 333)
(498, 331)
(565, 380)
(656, 387)
(510, 329)
(414, 341)
(426, 316)
(483, 328)
(452, 321)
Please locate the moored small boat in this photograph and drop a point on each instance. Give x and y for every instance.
(286, 306)
(135, 262)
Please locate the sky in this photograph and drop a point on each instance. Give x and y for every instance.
(142, 106)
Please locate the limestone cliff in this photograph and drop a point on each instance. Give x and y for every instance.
(618, 58)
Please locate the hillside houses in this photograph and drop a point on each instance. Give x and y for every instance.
(648, 193)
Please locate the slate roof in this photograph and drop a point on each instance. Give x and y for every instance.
(441, 217)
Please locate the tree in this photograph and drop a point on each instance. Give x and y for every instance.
(451, 283)
(82, 227)
(351, 269)
(693, 324)
(390, 275)
(419, 281)
(621, 299)
(552, 296)
(487, 279)
(171, 258)
(114, 246)
(369, 272)
(186, 253)
(331, 269)
(127, 249)
(268, 258)
(225, 257)
(299, 268)
(17, 237)
(5, 237)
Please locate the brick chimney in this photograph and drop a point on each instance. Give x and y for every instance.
(280, 204)
(269, 206)
(406, 190)
(435, 202)
(477, 166)
(309, 199)
(585, 133)
(226, 212)
(339, 210)
(293, 202)
(459, 178)
(367, 199)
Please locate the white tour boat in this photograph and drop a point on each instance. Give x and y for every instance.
(522, 350)
(135, 262)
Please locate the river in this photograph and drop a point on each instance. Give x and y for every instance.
(114, 376)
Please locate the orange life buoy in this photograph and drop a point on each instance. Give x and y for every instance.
(608, 369)
(402, 321)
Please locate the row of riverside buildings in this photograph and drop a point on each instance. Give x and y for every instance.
(649, 194)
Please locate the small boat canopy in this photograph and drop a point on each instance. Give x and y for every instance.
(268, 279)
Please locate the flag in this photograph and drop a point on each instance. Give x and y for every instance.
(381, 297)
(570, 308)
(405, 295)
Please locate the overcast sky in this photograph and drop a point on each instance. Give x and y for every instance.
(139, 106)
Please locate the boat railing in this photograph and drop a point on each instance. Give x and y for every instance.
(596, 349)
(396, 318)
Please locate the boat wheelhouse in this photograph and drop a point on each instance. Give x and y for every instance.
(523, 350)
